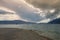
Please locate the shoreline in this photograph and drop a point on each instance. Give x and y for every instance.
(20, 34)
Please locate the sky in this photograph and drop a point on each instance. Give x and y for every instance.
(21, 10)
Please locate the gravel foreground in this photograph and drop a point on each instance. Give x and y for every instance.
(20, 34)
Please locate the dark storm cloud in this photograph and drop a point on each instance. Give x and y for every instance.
(45, 3)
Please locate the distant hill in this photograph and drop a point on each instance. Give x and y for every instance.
(15, 22)
(56, 21)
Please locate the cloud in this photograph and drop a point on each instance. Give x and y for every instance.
(45, 3)
(6, 14)
(23, 10)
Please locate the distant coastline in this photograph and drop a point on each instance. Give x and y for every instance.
(15, 22)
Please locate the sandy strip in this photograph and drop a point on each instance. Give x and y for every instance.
(20, 34)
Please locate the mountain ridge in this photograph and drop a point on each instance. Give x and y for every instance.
(15, 22)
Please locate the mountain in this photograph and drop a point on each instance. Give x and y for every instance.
(15, 22)
(56, 21)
